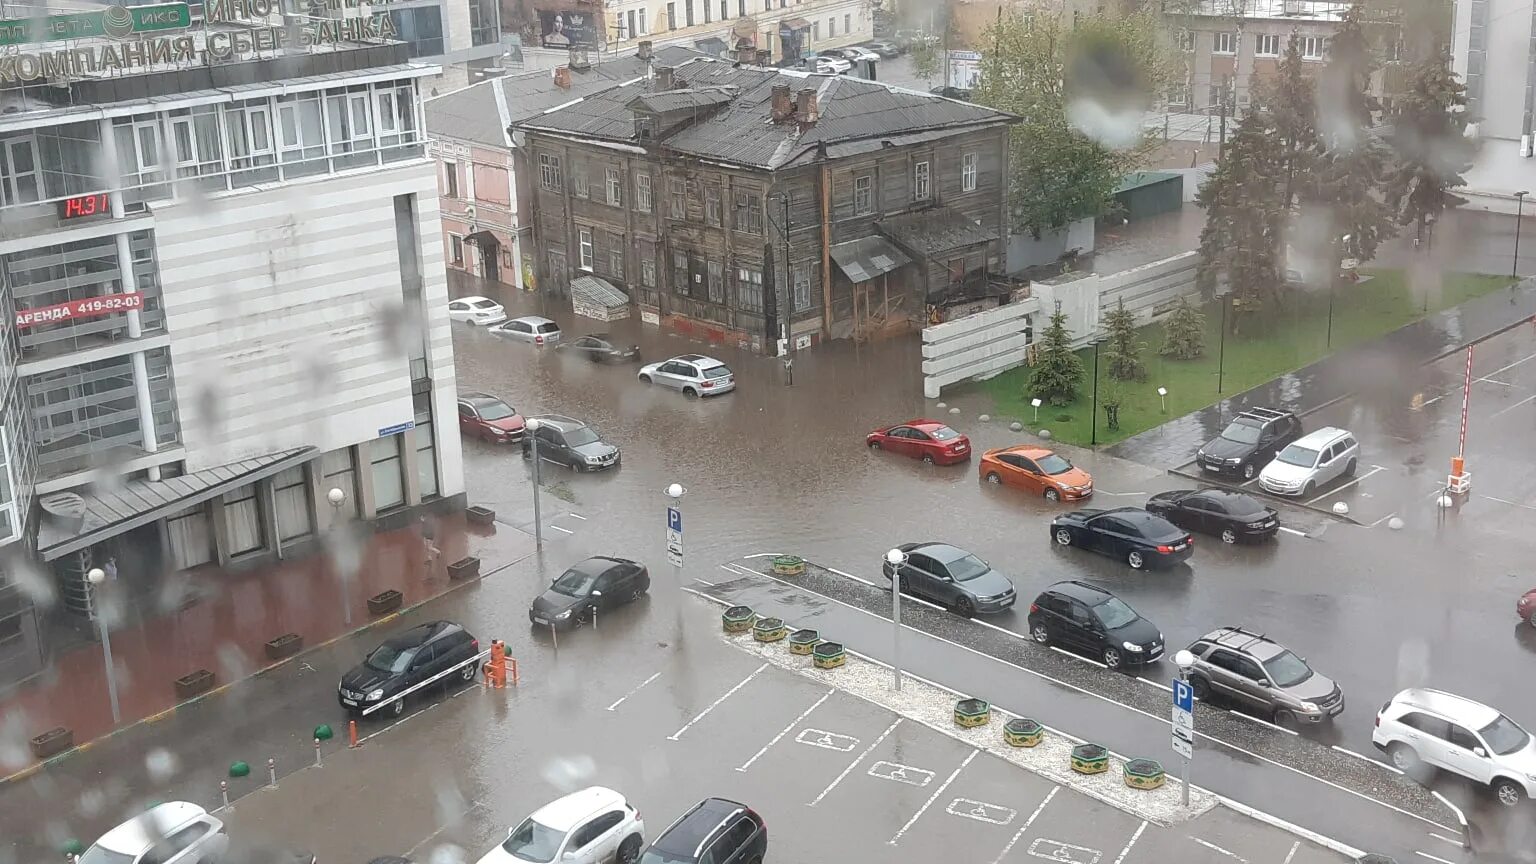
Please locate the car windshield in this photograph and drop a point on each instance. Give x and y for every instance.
(495, 411)
(1053, 464)
(1114, 614)
(1242, 433)
(1503, 735)
(944, 433)
(386, 658)
(715, 372)
(532, 841)
(1296, 454)
(99, 855)
(578, 437)
(574, 583)
(483, 304)
(1287, 670)
(967, 568)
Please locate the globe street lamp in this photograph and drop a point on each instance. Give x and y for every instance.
(1185, 661)
(97, 577)
(530, 428)
(897, 559)
(337, 498)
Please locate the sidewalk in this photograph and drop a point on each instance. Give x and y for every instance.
(225, 632)
(1339, 375)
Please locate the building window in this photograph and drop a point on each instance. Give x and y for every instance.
(677, 198)
(643, 31)
(626, 25)
(831, 27)
(712, 203)
(615, 187)
(647, 273)
(450, 179)
(579, 181)
(340, 472)
(968, 172)
(384, 464)
(803, 277)
(1186, 40)
(847, 21)
(584, 240)
(725, 9)
(671, 16)
(616, 255)
(242, 520)
(456, 250)
(1266, 44)
(191, 538)
(484, 22)
(643, 193)
(815, 31)
(749, 289)
(716, 281)
(426, 448)
(10, 525)
(921, 186)
(290, 498)
(707, 19)
(863, 194)
(688, 12)
(549, 173)
(680, 272)
(741, 8)
(1226, 43)
(18, 172)
(1314, 47)
(749, 213)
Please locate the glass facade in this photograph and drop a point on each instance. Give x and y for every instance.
(51, 275)
(421, 28)
(87, 415)
(484, 22)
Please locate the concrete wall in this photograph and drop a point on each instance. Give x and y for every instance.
(1024, 251)
(1151, 289)
(976, 346)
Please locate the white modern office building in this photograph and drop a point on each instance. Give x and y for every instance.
(221, 254)
(1493, 49)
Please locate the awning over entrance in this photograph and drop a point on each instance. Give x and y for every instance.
(867, 257)
(714, 46)
(110, 512)
(481, 238)
(935, 230)
(597, 291)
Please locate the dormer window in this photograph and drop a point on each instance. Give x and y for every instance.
(645, 127)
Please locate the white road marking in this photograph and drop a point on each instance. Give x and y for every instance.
(577, 516)
(1261, 722)
(1214, 848)
(1055, 850)
(1119, 494)
(1134, 837)
(936, 793)
(1066, 653)
(901, 773)
(1496, 381)
(715, 704)
(1433, 401)
(1456, 843)
(733, 572)
(1364, 758)
(981, 811)
(1383, 519)
(1293, 531)
(566, 530)
(1292, 854)
(854, 764)
(702, 582)
(1507, 501)
(473, 806)
(829, 740)
(1504, 369)
(634, 691)
(1432, 857)
(1025, 827)
(1374, 469)
(1157, 684)
(1501, 412)
(792, 724)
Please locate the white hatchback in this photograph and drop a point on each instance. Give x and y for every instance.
(476, 310)
(530, 328)
(593, 826)
(1431, 727)
(1315, 459)
(175, 832)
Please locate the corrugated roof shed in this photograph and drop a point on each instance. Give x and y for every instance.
(934, 229)
(596, 289)
(680, 100)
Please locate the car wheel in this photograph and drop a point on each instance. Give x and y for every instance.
(993, 478)
(1349, 468)
(1307, 489)
(928, 457)
(1063, 537)
(1250, 472)
(1508, 792)
(1041, 634)
(1533, 619)
(629, 850)
(1052, 495)
(1112, 658)
(690, 393)
(1403, 757)
(1136, 560)
(1284, 719)
(1228, 536)
(965, 607)
(874, 445)
(1201, 688)
(397, 707)
(645, 379)
(467, 674)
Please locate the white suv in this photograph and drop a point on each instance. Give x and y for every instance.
(593, 826)
(1315, 459)
(1442, 730)
(172, 833)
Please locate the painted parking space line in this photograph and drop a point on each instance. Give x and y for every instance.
(1375, 469)
(829, 740)
(716, 704)
(981, 811)
(1442, 837)
(901, 773)
(1055, 850)
(577, 516)
(1132, 842)
(633, 691)
(792, 724)
(854, 764)
(1432, 857)
(1501, 412)
(1025, 827)
(931, 798)
(1214, 848)
(1292, 854)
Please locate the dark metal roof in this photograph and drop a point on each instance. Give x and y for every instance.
(935, 229)
(597, 290)
(714, 46)
(681, 100)
(867, 257)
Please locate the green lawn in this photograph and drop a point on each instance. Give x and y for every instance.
(1293, 338)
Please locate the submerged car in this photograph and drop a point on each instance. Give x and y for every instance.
(587, 588)
(1036, 470)
(1525, 607)
(601, 348)
(1130, 534)
(570, 442)
(530, 328)
(476, 310)
(1087, 618)
(952, 578)
(490, 419)
(928, 440)
(419, 654)
(694, 374)
(1232, 516)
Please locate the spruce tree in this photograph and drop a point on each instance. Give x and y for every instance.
(1123, 350)
(1244, 220)
(1058, 370)
(1290, 100)
(1428, 137)
(1185, 332)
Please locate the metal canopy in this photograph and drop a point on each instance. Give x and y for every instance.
(868, 257)
(598, 291)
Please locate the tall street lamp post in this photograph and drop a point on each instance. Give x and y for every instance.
(336, 497)
(531, 428)
(1093, 433)
(897, 559)
(97, 577)
(1514, 267)
(1221, 350)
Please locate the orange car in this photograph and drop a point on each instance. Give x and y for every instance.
(1038, 470)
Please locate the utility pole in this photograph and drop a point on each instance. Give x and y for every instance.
(1221, 145)
(786, 311)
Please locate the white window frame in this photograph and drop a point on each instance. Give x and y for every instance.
(1225, 38)
(644, 203)
(450, 178)
(613, 187)
(641, 23)
(8, 505)
(549, 173)
(1314, 47)
(1186, 40)
(586, 251)
(456, 250)
(1266, 44)
(388, 119)
(922, 180)
(286, 151)
(867, 193)
(968, 172)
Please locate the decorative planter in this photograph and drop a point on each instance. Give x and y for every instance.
(285, 645)
(788, 565)
(72, 847)
(385, 601)
(738, 619)
(195, 684)
(465, 568)
(53, 742)
(972, 712)
(239, 769)
(803, 641)
(478, 515)
(1023, 732)
(769, 629)
(324, 732)
(1144, 774)
(829, 655)
(1090, 759)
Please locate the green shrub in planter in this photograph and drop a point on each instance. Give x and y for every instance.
(738, 619)
(970, 713)
(324, 732)
(239, 769)
(829, 655)
(1090, 759)
(788, 565)
(769, 630)
(803, 641)
(1023, 732)
(1144, 774)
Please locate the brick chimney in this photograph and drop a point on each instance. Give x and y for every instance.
(578, 59)
(563, 77)
(783, 103)
(644, 51)
(664, 77)
(807, 107)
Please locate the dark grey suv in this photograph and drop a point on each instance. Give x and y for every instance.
(570, 442)
(1258, 674)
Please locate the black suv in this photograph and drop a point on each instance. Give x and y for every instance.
(1087, 618)
(403, 661)
(570, 442)
(716, 831)
(1249, 442)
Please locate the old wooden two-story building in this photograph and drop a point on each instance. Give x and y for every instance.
(695, 189)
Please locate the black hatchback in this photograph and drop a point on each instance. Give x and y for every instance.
(1232, 516)
(716, 831)
(1082, 617)
(589, 587)
(418, 655)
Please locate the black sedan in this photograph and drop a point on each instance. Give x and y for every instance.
(1131, 534)
(1232, 516)
(591, 586)
(602, 348)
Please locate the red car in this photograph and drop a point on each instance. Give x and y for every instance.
(1527, 606)
(489, 418)
(928, 440)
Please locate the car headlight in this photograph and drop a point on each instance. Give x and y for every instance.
(1132, 646)
(1310, 707)
(1259, 524)
(1200, 453)
(1235, 460)
(564, 615)
(376, 695)
(593, 460)
(1531, 777)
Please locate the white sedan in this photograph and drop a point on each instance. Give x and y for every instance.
(830, 65)
(477, 310)
(858, 52)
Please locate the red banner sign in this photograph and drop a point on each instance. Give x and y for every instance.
(90, 307)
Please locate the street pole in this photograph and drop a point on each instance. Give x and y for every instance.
(1221, 351)
(1514, 267)
(1185, 661)
(897, 559)
(530, 428)
(786, 319)
(675, 528)
(1332, 283)
(1184, 769)
(97, 577)
(1093, 435)
(336, 497)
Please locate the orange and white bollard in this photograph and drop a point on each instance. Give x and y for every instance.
(351, 733)
(1460, 482)
(496, 669)
(512, 664)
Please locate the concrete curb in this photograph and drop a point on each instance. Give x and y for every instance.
(453, 586)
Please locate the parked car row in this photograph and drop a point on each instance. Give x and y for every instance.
(1269, 445)
(597, 825)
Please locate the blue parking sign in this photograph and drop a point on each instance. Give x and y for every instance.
(1183, 696)
(674, 520)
